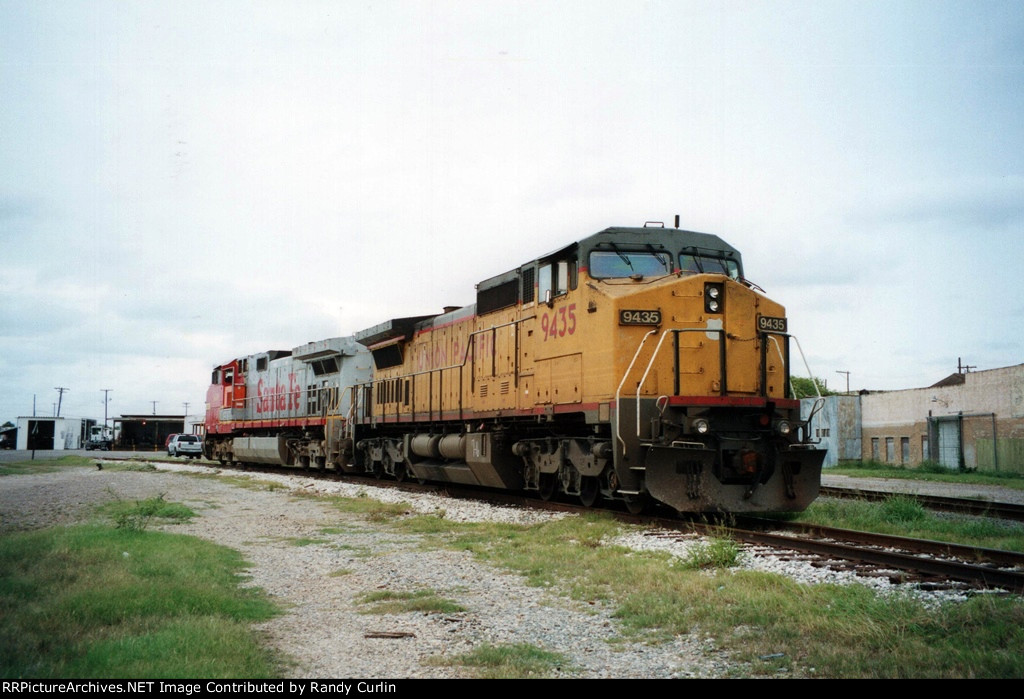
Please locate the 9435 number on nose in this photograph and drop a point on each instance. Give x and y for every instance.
(639, 317)
(771, 324)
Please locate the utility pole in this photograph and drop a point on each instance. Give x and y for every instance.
(60, 397)
(154, 405)
(847, 380)
(106, 398)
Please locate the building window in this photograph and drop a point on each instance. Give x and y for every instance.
(925, 454)
(890, 450)
(904, 450)
(874, 448)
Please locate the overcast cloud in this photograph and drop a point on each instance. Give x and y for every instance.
(186, 182)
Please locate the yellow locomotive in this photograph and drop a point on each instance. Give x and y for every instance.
(636, 364)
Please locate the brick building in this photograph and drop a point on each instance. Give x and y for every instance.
(967, 420)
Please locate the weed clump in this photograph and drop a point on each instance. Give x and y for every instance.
(136, 516)
(716, 553)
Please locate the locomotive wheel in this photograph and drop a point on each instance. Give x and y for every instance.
(400, 472)
(637, 504)
(547, 486)
(590, 490)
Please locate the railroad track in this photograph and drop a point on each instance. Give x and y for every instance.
(932, 562)
(981, 508)
(902, 559)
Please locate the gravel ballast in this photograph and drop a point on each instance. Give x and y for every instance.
(319, 583)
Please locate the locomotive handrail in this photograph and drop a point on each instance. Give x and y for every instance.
(439, 371)
(618, 391)
(675, 362)
(778, 348)
(492, 329)
(819, 402)
(772, 336)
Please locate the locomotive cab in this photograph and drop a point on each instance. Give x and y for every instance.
(676, 369)
(702, 413)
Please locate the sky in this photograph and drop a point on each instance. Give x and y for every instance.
(186, 182)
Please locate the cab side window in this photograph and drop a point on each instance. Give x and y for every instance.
(556, 277)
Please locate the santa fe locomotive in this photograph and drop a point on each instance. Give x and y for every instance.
(636, 365)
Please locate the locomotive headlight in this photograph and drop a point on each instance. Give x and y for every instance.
(783, 427)
(701, 426)
(713, 298)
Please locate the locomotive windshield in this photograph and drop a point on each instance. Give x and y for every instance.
(609, 265)
(704, 264)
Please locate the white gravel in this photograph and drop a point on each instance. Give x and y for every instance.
(318, 584)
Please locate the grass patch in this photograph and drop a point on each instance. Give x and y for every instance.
(425, 601)
(331, 531)
(306, 541)
(373, 510)
(512, 661)
(904, 516)
(141, 466)
(98, 602)
(29, 466)
(928, 471)
(715, 553)
(136, 515)
(239, 481)
(802, 630)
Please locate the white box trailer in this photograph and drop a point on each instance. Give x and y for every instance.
(57, 433)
